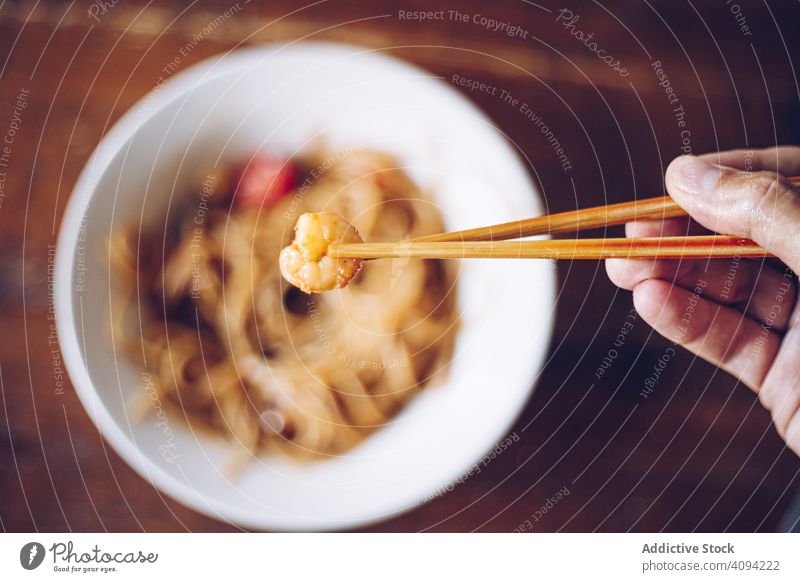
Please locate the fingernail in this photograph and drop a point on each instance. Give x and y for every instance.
(696, 176)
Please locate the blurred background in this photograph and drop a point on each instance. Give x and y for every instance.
(632, 436)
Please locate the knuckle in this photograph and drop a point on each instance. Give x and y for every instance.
(780, 426)
(776, 188)
(771, 194)
(762, 187)
(781, 422)
(767, 399)
(783, 404)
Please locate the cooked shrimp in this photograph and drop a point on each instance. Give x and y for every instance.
(306, 264)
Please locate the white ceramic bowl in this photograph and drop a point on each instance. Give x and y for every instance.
(282, 97)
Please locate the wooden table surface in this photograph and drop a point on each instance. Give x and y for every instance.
(697, 454)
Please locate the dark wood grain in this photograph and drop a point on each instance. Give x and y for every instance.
(697, 454)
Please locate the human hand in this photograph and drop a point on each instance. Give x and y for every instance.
(746, 319)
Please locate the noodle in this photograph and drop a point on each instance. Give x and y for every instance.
(233, 348)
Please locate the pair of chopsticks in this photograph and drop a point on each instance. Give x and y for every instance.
(483, 242)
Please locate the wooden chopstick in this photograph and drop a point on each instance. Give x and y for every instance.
(483, 242)
(574, 220)
(640, 248)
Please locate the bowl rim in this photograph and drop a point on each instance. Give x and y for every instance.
(84, 191)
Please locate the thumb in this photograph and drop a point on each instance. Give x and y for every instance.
(762, 206)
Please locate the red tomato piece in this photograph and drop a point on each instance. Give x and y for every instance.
(263, 181)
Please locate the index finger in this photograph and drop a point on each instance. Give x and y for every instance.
(782, 159)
